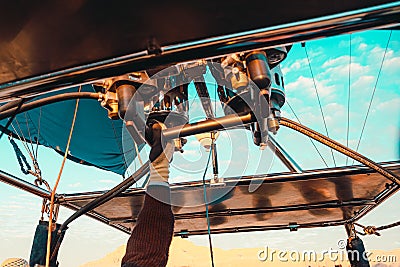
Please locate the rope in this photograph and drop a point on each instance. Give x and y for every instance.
(372, 230)
(207, 214)
(20, 157)
(37, 173)
(384, 227)
(53, 193)
(319, 101)
(373, 92)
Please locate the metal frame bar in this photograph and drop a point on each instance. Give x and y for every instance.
(98, 217)
(283, 155)
(244, 180)
(393, 188)
(184, 233)
(370, 18)
(24, 185)
(65, 200)
(247, 211)
(308, 175)
(107, 196)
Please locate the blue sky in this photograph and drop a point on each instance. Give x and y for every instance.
(87, 239)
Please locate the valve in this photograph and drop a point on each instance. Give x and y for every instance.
(259, 72)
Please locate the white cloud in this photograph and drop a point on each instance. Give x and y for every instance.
(315, 52)
(74, 185)
(388, 105)
(375, 55)
(335, 108)
(336, 61)
(192, 143)
(344, 43)
(392, 63)
(107, 181)
(306, 84)
(363, 82)
(298, 64)
(354, 40)
(342, 71)
(362, 46)
(191, 152)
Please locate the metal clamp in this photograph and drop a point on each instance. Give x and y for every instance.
(46, 203)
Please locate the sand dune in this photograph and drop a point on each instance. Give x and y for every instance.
(185, 253)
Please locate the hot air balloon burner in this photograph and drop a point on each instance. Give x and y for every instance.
(277, 99)
(276, 55)
(120, 90)
(253, 83)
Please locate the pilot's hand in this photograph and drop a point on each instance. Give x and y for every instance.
(161, 152)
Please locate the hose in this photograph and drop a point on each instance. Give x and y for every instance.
(48, 100)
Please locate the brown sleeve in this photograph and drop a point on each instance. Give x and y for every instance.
(151, 237)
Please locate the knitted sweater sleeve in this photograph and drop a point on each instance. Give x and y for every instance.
(151, 237)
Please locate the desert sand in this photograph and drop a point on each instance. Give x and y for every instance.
(184, 253)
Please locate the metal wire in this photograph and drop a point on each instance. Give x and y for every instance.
(22, 139)
(38, 134)
(348, 99)
(12, 117)
(373, 92)
(340, 148)
(206, 204)
(312, 142)
(319, 101)
(22, 134)
(29, 133)
(20, 155)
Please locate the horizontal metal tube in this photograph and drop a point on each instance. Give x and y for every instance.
(48, 100)
(209, 125)
(24, 185)
(371, 18)
(258, 228)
